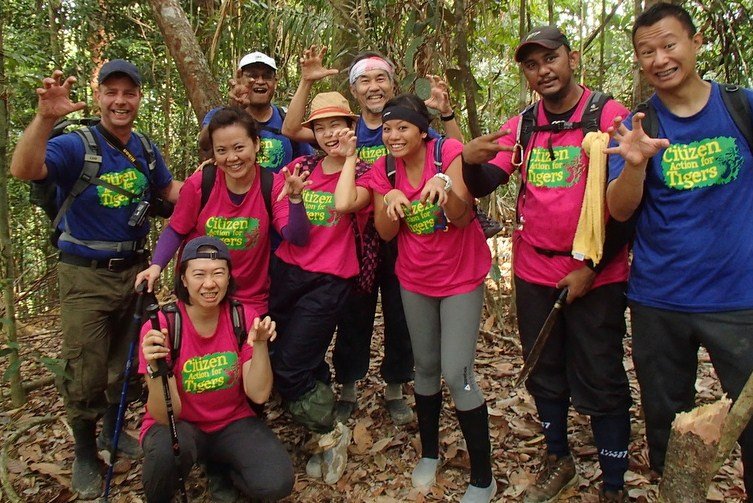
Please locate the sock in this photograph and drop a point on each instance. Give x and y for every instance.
(393, 391)
(475, 426)
(612, 436)
(553, 417)
(428, 408)
(348, 392)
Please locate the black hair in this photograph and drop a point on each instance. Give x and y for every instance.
(662, 10)
(412, 102)
(181, 292)
(229, 116)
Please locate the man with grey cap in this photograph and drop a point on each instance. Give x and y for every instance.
(254, 88)
(581, 362)
(101, 247)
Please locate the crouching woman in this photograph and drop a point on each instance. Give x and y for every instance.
(211, 380)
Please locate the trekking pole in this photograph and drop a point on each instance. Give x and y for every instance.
(134, 331)
(151, 311)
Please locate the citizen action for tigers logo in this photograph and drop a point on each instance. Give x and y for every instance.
(704, 163)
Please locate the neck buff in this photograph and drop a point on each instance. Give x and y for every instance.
(397, 113)
(372, 63)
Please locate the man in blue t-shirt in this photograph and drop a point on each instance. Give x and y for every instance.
(372, 84)
(253, 88)
(101, 250)
(689, 191)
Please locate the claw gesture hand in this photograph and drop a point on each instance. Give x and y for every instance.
(396, 204)
(311, 64)
(54, 97)
(634, 145)
(295, 182)
(347, 142)
(262, 331)
(439, 98)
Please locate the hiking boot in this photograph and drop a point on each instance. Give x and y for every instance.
(556, 476)
(128, 446)
(425, 473)
(86, 478)
(221, 488)
(480, 494)
(335, 458)
(344, 409)
(609, 496)
(399, 411)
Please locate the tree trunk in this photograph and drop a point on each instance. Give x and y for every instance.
(201, 87)
(469, 83)
(18, 396)
(522, 29)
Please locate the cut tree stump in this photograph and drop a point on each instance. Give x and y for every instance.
(692, 453)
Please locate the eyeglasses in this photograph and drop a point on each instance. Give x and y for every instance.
(256, 74)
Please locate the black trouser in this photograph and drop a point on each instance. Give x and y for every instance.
(306, 306)
(260, 467)
(356, 325)
(582, 359)
(665, 352)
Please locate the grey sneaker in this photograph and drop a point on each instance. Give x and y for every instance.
(556, 476)
(335, 458)
(480, 494)
(314, 466)
(425, 473)
(399, 411)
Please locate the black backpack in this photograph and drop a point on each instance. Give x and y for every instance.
(43, 193)
(735, 101)
(175, 326)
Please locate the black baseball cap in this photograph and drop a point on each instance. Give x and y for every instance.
(191, 250)
(119, 66)
(549, 37)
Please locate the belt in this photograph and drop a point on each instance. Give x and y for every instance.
(112, 264)
(551, 253)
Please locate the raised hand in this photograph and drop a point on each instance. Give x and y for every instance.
(262, 331)
(295, 182)
(433, 192)
(347, 142)
(485, 147)
(635, 146)
(54, 97)
(395, 204)
(439, 98)
(311, 64)
(240, 87)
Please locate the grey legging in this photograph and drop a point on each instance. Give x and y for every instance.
(443, 332)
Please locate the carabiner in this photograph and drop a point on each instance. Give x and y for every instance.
(517, 153)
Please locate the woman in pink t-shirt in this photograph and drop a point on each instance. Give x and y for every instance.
(442, 261)
(211, 380)
(312, 272)
(234, 211)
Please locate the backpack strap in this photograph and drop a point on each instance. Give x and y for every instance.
(267, 179)
(151, 159)
(591, 118)
(739, 109)
(238, 318)
(526, 127)
(174, 329)
(390, 168)
(650, 122)
(208, 174)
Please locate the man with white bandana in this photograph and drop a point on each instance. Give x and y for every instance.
(372, 84)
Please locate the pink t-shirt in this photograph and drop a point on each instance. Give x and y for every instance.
(430, 261)
(331, 247)
(208, 373)
(243, 227)
(551, 202)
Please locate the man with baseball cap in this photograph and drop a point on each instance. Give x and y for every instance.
(253, 89)
(581, 361)
(101, 247)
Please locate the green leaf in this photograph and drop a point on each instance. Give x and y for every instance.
(410, 53)
(496, 272)
(423, 88)
(12, 370)
(54, 365)
(6, 351)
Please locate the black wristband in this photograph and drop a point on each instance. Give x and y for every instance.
(448, 118)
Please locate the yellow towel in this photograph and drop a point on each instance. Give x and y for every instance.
(589, 236)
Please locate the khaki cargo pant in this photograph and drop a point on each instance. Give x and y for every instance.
(96, 307)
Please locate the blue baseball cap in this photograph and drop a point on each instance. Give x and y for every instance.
(191, 250)
(119, 66)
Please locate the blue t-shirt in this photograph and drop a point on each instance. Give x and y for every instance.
(99, 214)
(694, 238)
(278, 150)
(369, 144)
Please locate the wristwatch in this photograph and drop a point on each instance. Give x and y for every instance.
(446, 179)
(153, 373)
